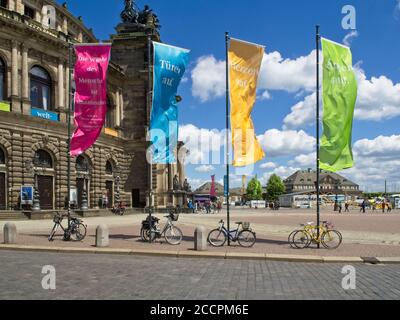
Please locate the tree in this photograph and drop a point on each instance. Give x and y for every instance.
(254, 190)
(275, 188)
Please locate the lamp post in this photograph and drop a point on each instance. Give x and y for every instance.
(117, 178)
(86, 172)
(31, 166)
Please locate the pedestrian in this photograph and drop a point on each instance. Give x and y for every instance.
(340, 207)
(389, 207)
(346, 207)
(383, 206)
(105, 200)
(363, 206)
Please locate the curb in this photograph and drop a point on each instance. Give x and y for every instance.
(204, 254)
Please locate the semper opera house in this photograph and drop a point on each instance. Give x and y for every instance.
(34, 100)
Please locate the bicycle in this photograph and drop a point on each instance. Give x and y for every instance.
(75, 232)
(243, 235)
(328, 237)
(172, 234)
(119, 209)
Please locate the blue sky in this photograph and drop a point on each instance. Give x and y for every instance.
(287, 29)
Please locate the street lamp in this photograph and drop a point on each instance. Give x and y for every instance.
(31, 166)
(86, 170)
(117, 178)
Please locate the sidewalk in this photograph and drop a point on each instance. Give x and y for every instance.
(360, 239)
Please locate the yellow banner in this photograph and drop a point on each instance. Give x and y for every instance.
(244, 67)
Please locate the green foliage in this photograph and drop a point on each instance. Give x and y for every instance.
(275, 188)
(254, 190)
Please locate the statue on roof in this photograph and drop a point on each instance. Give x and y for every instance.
(129, 14)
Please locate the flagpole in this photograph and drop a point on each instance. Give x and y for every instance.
(70, 97)
(227, 134)
(148, 128)
(318, 142)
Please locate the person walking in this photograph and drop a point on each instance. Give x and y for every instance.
(346, 207)
(340, 207)
(383, 206)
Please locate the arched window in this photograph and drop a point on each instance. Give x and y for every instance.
(41, 88)
(2, 157)
(109, 168)
(2, 80)
(43, 159)
(82, 164)
(110, 116)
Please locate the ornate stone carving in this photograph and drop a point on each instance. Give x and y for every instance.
(129, 14)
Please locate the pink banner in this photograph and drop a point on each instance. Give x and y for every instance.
(212, 190)
(90, 96)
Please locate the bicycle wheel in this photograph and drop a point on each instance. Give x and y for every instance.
(246, 238)
(217, 238)
(53, 232)
(78, 232)
(331, 239)
(301, 239)
(290, 239)
(173, 235)
(143, 234)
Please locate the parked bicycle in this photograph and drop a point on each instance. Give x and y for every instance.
(75, 232)
(243, 235)
(172, 234)
(328, 236)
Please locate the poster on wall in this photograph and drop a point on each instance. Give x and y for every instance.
(26, 195)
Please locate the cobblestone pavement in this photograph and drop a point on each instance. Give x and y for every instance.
(81, 277)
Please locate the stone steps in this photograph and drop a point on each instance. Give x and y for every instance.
(12, 215)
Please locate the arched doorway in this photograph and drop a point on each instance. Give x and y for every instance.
(3, 180)
(83, 168)
(2, 80)
(45, 178)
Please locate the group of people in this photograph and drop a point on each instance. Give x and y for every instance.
(385, 205)
(207, 207)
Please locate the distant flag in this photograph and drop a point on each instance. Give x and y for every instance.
(213, 194)
(244, 67)
(339, 99)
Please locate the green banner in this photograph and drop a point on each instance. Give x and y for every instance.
(5, 106)
(339, 99)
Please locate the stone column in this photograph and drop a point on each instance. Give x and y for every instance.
(118, 109)
(121, 103)
(16, 105)
(19, 7)
(26, 103)
(61, 104)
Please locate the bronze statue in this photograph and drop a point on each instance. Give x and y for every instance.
(129, 14)
(176, 183)
(186, 186)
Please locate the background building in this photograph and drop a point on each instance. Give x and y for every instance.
(34, 100)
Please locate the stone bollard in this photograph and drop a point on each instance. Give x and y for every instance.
(102, 236)
(200, 239)
(10, 233)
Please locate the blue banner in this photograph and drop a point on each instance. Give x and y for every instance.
(44, 114)
(169, 67)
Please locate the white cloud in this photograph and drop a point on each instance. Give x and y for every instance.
(205, 168)
(282, 143)
(378, 99)
(208, 77)
(349, 37)
(376, 160)
(303, 112)
(204, 145)
(268, 165)
(289, 75)
(304, 160)
(196, 183)
(277, 73)
(283, 172)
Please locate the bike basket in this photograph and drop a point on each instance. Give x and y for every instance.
(330, 226)
(246, 225)
(56, 219)
(174, 217)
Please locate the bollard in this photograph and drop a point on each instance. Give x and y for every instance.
(200, 239)
(102, 236)
(10, 233)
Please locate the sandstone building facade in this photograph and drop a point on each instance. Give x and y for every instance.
(34, 100)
